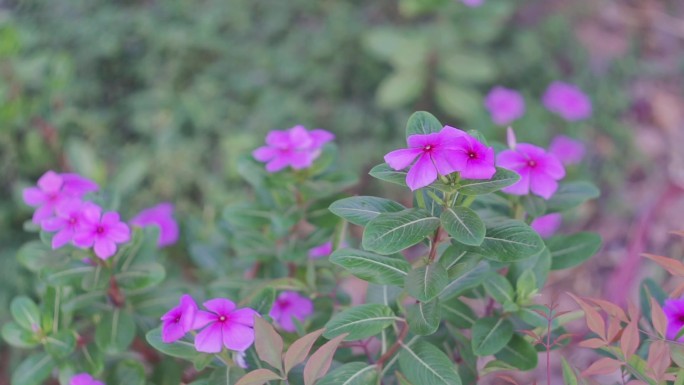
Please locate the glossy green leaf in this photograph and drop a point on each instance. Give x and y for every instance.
(499, 288)
(464, 276)
(389, 233)
(424, 364)
(115, 332)
(519, 353)
(25, 313)
(426, 282)
(360, 322)
(422, 123)
(490, 335)
(458, 313)
(263, 300)
(464, 225)
(353, 373)
(178, 349)
(359, 210)
(510, 240)
(571, 250)
(502, 178)
(572, 194)
(387, 174)
(380, 269)
(424, 317)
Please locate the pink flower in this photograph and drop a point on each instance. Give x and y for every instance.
(505, 105)
(101, 231)
(179, 320)
(52, 189)
(225, 326)
(296, 147)
(321, 251)
(547, 225)
(288, 306)
(441, 153)
(67, 221)
(674, 311)
(539, 171)
(84, 379)
(161, 216)
(567, 150)
(568, 101)
(473, 3)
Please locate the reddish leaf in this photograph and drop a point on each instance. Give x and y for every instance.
(629, 342)
(320, 361)
(658, 318)
(258, 377)
(672, 265)
(507, 379)
(593, 343)
(678, 291)
(268, 343)
(594, 320)
(658, 359)
(299, 349)
(610, 308)
(614, 330)
(602, 366)
(633, 311)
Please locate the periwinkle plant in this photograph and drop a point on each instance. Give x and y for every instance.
(273, 273)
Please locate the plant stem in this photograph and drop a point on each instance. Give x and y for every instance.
(394, 348)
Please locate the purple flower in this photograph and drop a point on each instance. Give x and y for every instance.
(67, 221)
(290, 305)
(472, 158)
(674, 311)
(84, 379)
(296, 147)
(179, 320)
(567, 150)
(568, 101)
(539, 171)
(101, 231)
(225, 326)
(321, 251)
(51, 189)
(161, 216)
(547, 225)
(505, 105)
(473, 3)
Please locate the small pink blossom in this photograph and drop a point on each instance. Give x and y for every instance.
(101, 231)
(161, 216)
(52, 188)
(66, 222)
(320, 251)
(674, 311)
(567, 150)
(296, 148)
(539, 171)
(505, 105)
(84, 379)
(547, 225)
(179, 320)
(473, 159)
(289, 306)
(568, 101)
(473, 3)
(225, 326)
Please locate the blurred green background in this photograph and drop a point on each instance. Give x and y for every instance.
(156, 100)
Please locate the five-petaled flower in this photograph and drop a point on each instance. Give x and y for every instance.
(505, 105)
(674, 311)
(101, 231)
(179, 320)
(567, 150)
(290, 306)
(67, 221)
(224, 325)
(84, 379)
(296, 147)
(161, 216)
(52, 188)
(568, 101)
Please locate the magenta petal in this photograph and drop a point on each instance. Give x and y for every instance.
(203, 318)
(33, 196)
(76, 185)
(62, 238)
(478, 170)
(521, 187)
(244, 316)
(91, 213)
(277, 164)
(53, 224)
(446, 161)
(301, 160)
(104, 248)
(567, 150)
(321, 137)
(237, 337)
(42, 213)
(511, 160)
(299, 137)
(264, 154)
(543, 185)
(109, 218)
(189, 312)
(547, 225)
(402, 158)
(172, 331)
(84, 238)
(551, 166)
(421, 140)
(286, 322)
(220, 306)
(50, 182)
(422, 173)
(119, 232)
(210, 339)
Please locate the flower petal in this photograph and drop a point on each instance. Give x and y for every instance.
(119, 232)
(543, 185)
(244, 316)
(278, 163)
(422, 173)
(33, 196)
(43, 212)
(104, 248)
(402, 158)
(203, 318)
(522, 187)
(172, 331)
(50, 182)
(237, 337)
(221, 306)
(84, 238)
(53, 224)
(264, 154)
(62, 238)
(210, 339)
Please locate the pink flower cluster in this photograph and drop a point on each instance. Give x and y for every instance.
(447, 151)
(84, 379)
(222, 324)
(296, 148)
(674, 312)
(61, 209)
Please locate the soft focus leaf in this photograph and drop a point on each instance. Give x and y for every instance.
(380, 269)
(130, 372)
(360, 322)
(353, 373)
(629, 342)
(423, 363)
(116, 331)
(464, 225)
(569, 376)
(571, 250)
(658, 359)
(658, 318)
(499, 288)
(389, 233)
(571, 194)
(25, 313)
(299, 350)
(258, 377)
(519, 353)
(268, 343)
(17, 336)
(61, 344)
(502, 178)
(359, 210)
(490, 335)
(422, 123)
(33, 370)
(673, 266)
(320, 361)
(458, 313)
(400, 88)
(424, 317)
(603, 366)
(594, 320)
(426, 282)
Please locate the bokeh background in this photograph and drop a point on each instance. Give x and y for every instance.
(156, 100)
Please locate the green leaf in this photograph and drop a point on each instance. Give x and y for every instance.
(464, 225)
(457, 100)
(424, 364)
(569, 376)
(130, 372)
(572, 194)
(263, 300)
(571, 250)
(502, 178)
(534, 205)
(380, 269)
(25, 313)
(389, 233)
(425, 283)
(360, 210)
(464, 276)
(17, 336)
(258, 377)
(510, 240)
(421, 123)
(424, 317)
(68, 274)
(320, 361)
(468, 67)
(35, 256)
(400, 88)
(268, 343)
(178, 349)
(360, 322)
(490, 335)
(142, 276)
(33, 370)
(387, 174)
(458, 313)
(519, 353)
(115, 332)
(61, 344)
(499, 288)
(526, 286)
(353, 373)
